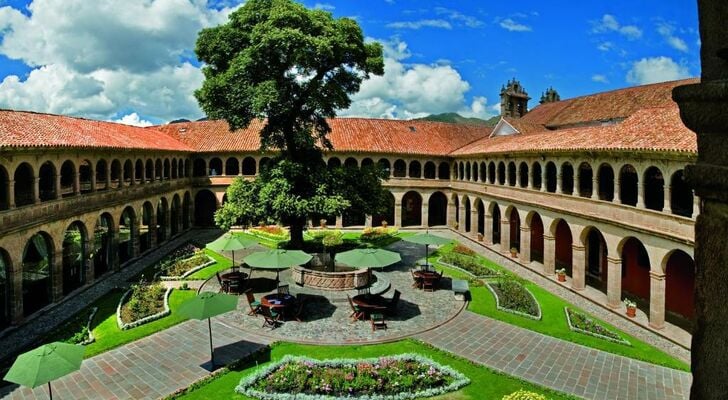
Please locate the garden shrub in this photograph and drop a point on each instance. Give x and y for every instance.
(467, 263)
(177, 267)
(524, 395)
(272, 232)
(513, 296)
(377, 234)
(144, 300)
(460, 249)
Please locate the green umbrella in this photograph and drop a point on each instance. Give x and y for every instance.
(368, 258)
(276, 259)
(208, 305)
(230, 242)
(427, 239)
(45, 363)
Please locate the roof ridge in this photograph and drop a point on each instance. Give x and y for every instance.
(665, 83)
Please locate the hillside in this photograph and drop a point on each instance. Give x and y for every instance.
(456, 118)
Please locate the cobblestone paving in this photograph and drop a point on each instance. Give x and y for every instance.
(326, 314)
(555, 363)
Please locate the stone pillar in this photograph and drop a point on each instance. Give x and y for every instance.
(559, 183)
(93, 180)
(474, 223)
(525, 253)
(36, 190)
(16, 293)
(57, 187)
(505, 244)
(543, 182)
(614, 282)
(153, 233)
(488, 230)
(657, 300)
(11, 193)
(57, 275)
(115, 264)
(667, 207)
(108, 176)
(595, 188)
(461, 223)
(549, 254)
(425, 214)
(451, 211)
(617, 194)
(696, 206)
(578, 267)
(135, 244)
(398, 213)
(89, 261)
(368, 221)
(640, 195)
(76, 183)
(339, 222)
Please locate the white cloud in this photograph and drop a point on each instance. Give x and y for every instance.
(460, 18)
(424, 23)
(609, 23)
(133, 119)
(413, 90)
(656, 69)
(666, 31)
(599, 78)
(324, 6)
(513, 26)
(94, 58)
(605, 46)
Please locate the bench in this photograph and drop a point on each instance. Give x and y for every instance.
(460, 288)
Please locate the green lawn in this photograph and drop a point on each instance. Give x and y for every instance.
(553, 322)
(485, 383)
(221, 264)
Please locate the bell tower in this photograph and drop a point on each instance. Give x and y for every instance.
(514, 100)
(550, 96)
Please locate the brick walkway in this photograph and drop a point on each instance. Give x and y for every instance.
(152, 367)
(554, 363)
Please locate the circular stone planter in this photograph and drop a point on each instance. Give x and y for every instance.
(347, 280)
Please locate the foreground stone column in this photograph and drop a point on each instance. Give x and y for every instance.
(398, 213)
(425, 215)
(549, 254)
(614, 282)
(488, 230)
(451, 211)
(657, 300)
(525, 253)
(463, 216)
(474, 223)
(505, 242)
(578, 267)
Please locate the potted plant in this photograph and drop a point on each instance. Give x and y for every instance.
(631, 308)
(480, 237)
(322, 223)
(561, 274)
(384, 223)
(514, 252)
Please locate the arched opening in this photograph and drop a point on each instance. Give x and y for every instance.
(174, 215)
(606, 182)
(367, 162)
(5, 288)
(249, 166)
(4, 186)
(480, 209)
(387, 215)
(215, 166)
(101, 172)
(586, 180)
(186, 168)
(85, 176)
(351, 163)
(232, 166)
(595, 248)
(654, 185)
(443, 170)
(551, 177)
(181, 168)
(186, 210)
(174, 168)
(37, 270)
(162, 220)
(628, 185)
(496, 223)
(475, 172)
(23, 185)
(127, 234)
(139, 171)
(430, 170)
(536, 225)
(680, 288)
(567, 178)
(491, 173)
(564, 251)
(128, 173)
(145, 230)
(636, 273)
(501, 173)
(466, 211)
(437, 209)
(68, 178)
(158, 170)
(456, 201)
(461, 171)
(483, 172)
(415, 169)
(537, 179)
(115, 174)
(411, 209)
(47, 181)
(523, 175)
(511, 174)
(149, 171)
(103, 244)
(400, 169)
(681, 195)
(167, 170)
(352, 218)
(199, 168)
(74, 257)
(385, 166)
(333, 162)
(514, 221)
(467, 171)
(205, 207)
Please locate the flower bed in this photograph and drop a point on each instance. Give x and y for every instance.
(524, 395)
(467, 264)
(581, 323)
(141, 304)
(512, 297)
(271, 232)
(406, 376)
(181, 268)
(379, 233)
(460, 249)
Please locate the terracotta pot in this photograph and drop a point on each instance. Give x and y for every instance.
(384, 224)
(514, 254)
(561, 277)
(631, 312)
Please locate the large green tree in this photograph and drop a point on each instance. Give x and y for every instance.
(294, 67)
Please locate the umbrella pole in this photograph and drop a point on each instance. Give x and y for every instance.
(212, 352)
(426, 255)
(50, 391)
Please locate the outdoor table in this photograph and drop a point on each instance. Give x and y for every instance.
(234, 276)
(281, 302)
(427, 274)
(370, 303)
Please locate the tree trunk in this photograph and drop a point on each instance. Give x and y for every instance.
(296, 227)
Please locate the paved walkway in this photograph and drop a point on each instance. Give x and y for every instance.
(554, 363)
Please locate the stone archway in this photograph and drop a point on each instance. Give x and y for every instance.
(635, 272)
(38, 258)
(74, 257)
(205, 207)
(680, 288)
(533, 220)
(104, 249)
(595, 253)
(411, 209)
(563, 256)
(127, 235)
(6, 288)
(437, 210)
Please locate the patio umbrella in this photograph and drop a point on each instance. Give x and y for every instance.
(368, 258)
(208, 305)
(44, 364)
(276, 259)
(230, 242)
(428, 240)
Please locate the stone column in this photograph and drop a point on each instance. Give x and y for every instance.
(11, 193)
(451, 211)
(57, 275)
(559, 183)
(696, 206)
(36, 190)
(525, 253)
(474, 223)
(595, 188)
(57, 187)
(152, 233)
(667, 207)
(16, 294)
(543, 182)
(339, 222)
(368, 221)
(578, 267)
(657, 300)
(488, 230)
(93, 180)
(617, 193)
(549, 254)
(398, 213)
(505, 244)
(614, 282)
(425, 214)
(76, 183)
(135, 244)
(115, 264)
(640, 195)
(89, 261)
(461, 223)
(108, 176)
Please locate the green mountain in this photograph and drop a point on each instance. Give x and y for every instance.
(455, 118)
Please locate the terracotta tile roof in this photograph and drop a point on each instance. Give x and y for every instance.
(30, 129)
(347, 135)
(650, 129)
(525, 127)
(615, 104)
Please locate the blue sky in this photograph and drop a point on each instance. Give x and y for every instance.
(132, 60)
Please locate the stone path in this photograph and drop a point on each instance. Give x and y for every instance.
(554, 363)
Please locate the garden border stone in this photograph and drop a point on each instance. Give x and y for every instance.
(190, 272)
(124, 326)
(91, 337)
(508, 310)
(585, 332)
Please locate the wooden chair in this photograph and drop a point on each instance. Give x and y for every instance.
(223, 284)
(356, 312)
(234, 286)
(271, 318)
(254, 304)
(392, 305)
(300, 305)
(417, 281)
(378, 321)
(283, 289)
(428, 284)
